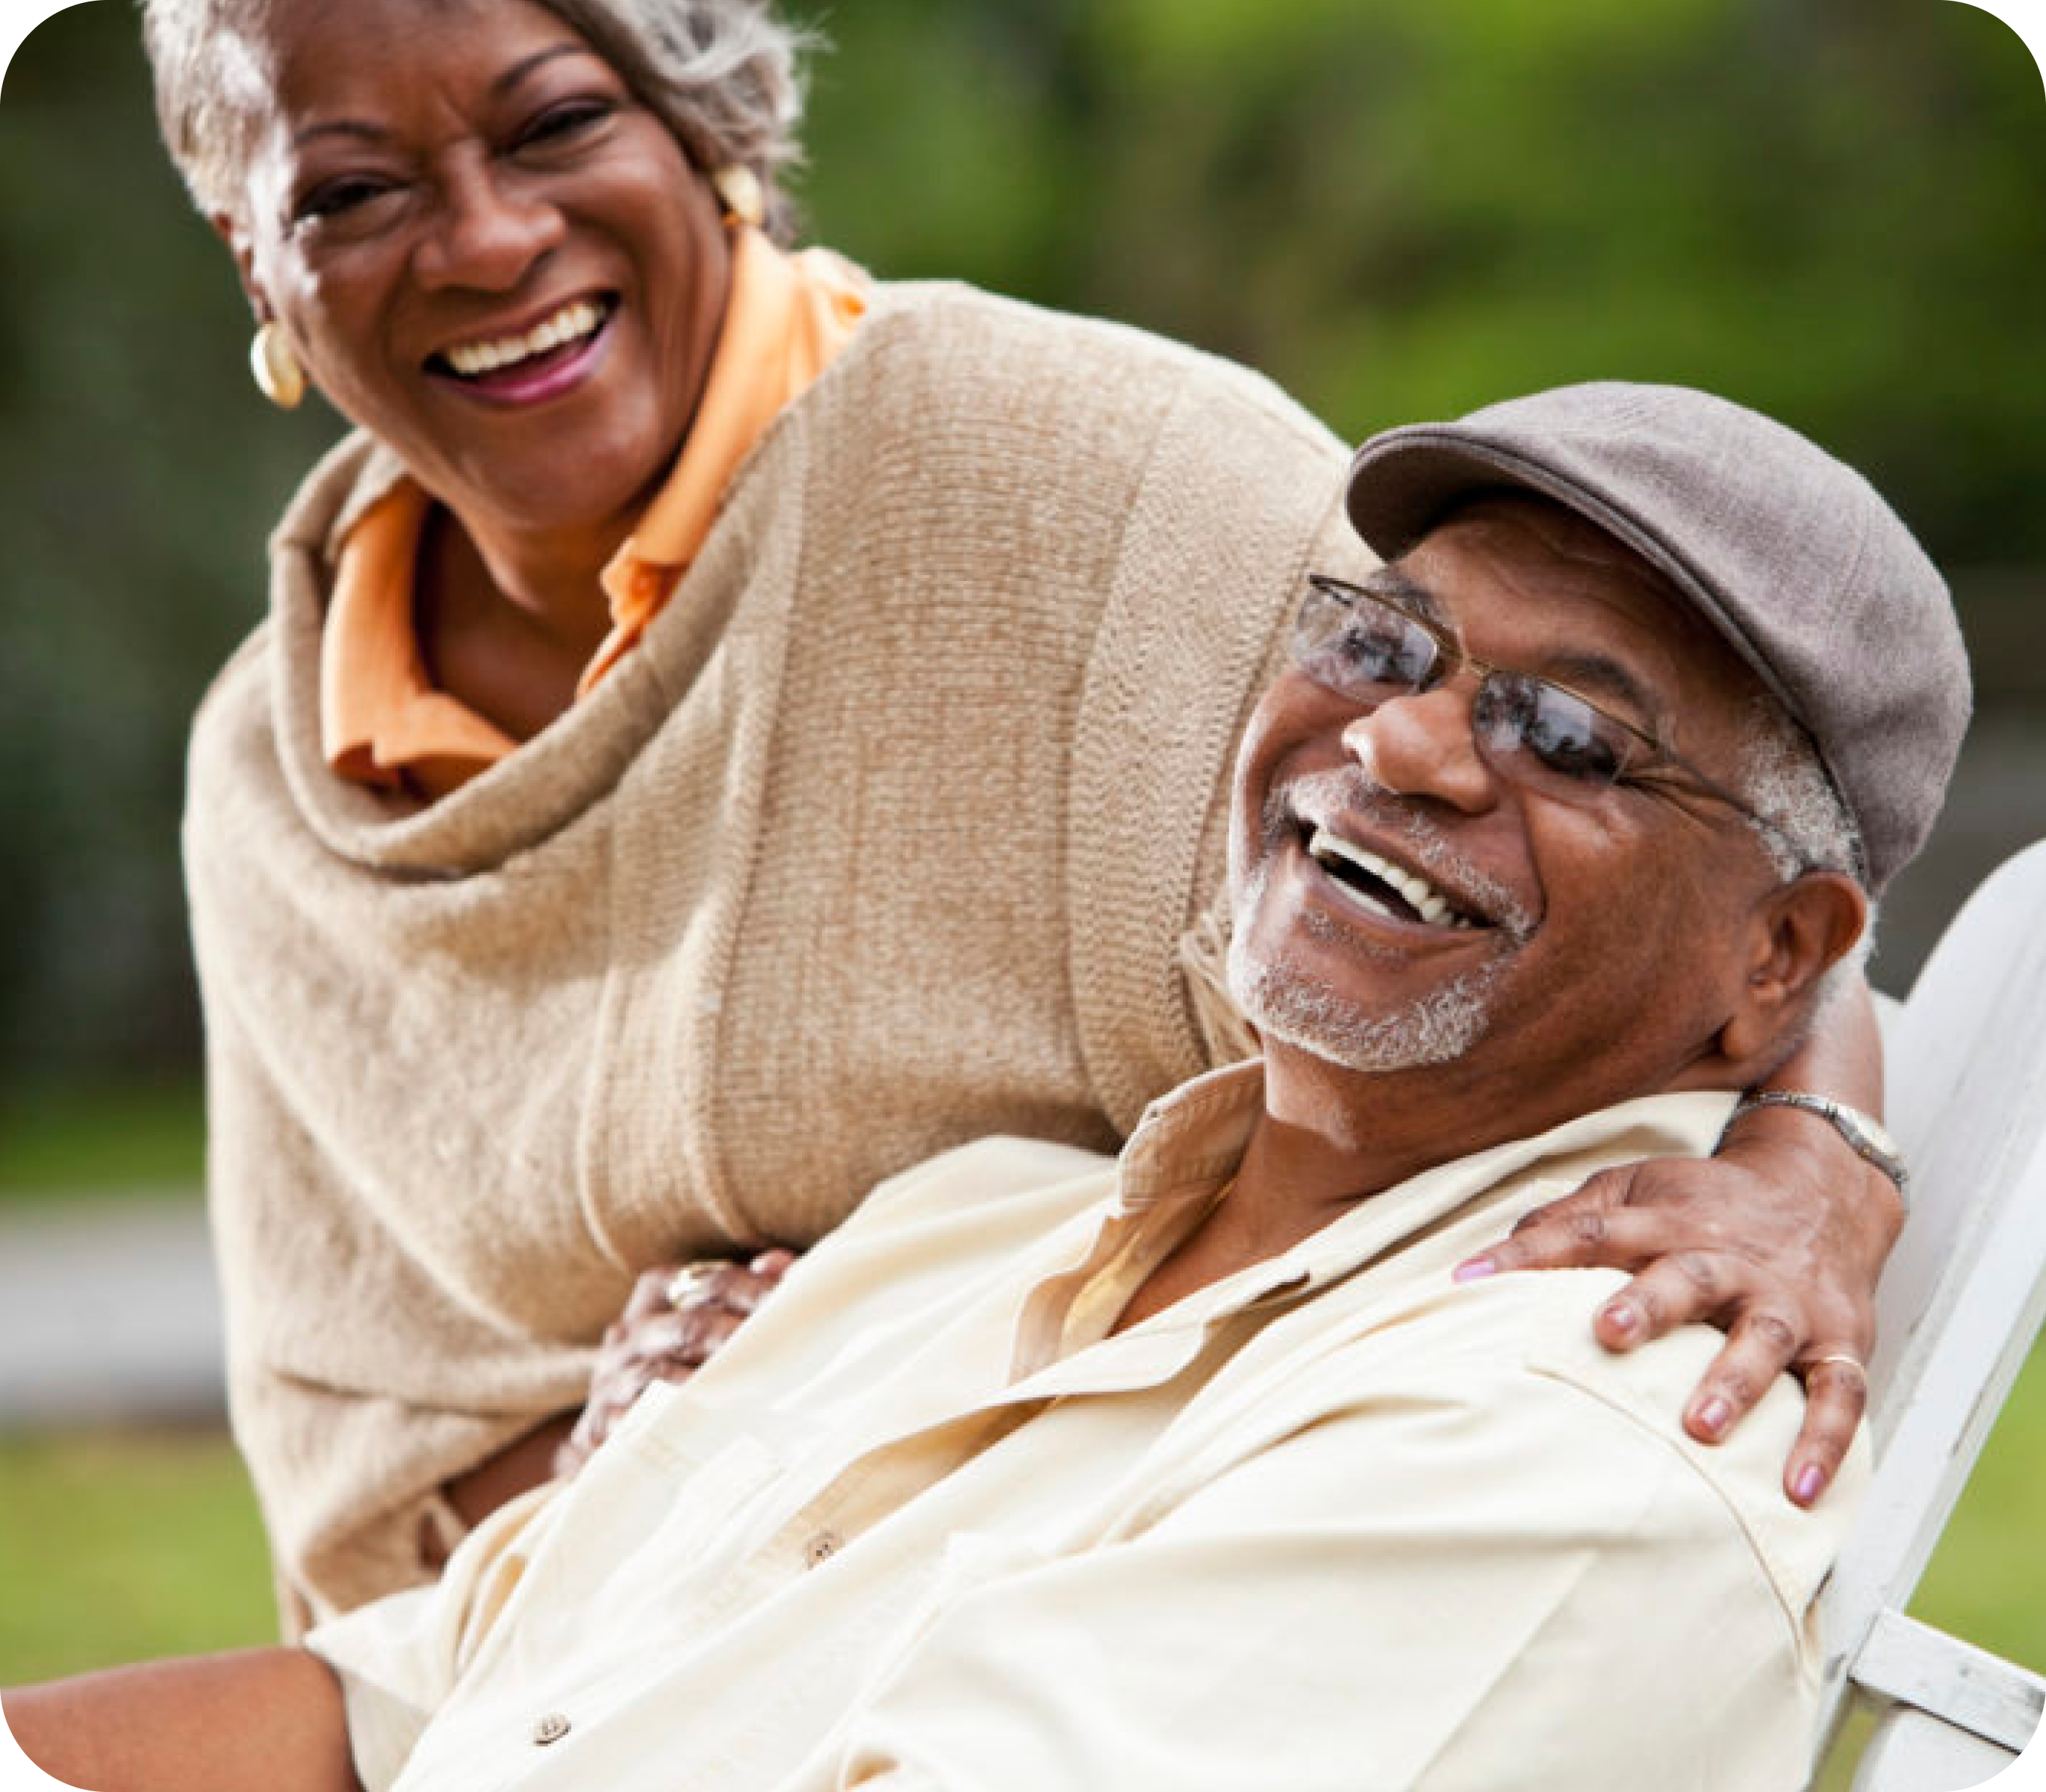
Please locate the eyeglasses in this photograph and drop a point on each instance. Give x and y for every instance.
(1541, 735)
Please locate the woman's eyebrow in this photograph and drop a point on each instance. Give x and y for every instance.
(361, 128)
(369, 132)
(525, 65)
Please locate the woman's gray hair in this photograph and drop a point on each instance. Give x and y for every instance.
(723, 75)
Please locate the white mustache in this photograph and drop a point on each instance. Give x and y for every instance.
(1350, 789)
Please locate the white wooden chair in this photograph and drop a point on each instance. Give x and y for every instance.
(1961, 1302)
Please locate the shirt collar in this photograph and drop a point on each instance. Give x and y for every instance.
(1176, 1165)
(379, 709)
(1185, 1151)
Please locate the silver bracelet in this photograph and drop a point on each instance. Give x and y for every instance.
(1865, 1137)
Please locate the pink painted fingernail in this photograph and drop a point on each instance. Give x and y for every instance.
(1811, 1479)
(1475, 1269)
(1714, 1414)
(1623, 1317)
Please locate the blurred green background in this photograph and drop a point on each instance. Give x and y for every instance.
(1835, 210)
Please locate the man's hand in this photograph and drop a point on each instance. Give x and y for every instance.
(1778, 1241)
(678, 1319)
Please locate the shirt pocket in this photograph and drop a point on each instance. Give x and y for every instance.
(654, 1503)
(1651, 1386)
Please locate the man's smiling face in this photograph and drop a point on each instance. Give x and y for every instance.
(1402, 899)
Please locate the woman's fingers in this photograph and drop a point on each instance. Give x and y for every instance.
(678, 1316)
(1683, 1229)
(1836, 1398)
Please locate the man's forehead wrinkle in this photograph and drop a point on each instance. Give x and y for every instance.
(1566, 533)
(1589, 557)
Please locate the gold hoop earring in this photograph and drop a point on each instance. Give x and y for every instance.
(739, 186)
(275, 364)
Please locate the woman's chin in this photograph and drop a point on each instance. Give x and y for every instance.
(571, 467)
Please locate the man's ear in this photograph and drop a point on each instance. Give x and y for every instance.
(1797, 934)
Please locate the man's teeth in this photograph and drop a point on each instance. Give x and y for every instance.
(578, 318)
(1421, 896)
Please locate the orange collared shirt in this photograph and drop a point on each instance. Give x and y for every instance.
(786, 319)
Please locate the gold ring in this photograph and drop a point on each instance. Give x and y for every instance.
(1853, 1362)
(691, 1279)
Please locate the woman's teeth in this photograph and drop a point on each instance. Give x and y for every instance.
(1334, 853)
(577, 318)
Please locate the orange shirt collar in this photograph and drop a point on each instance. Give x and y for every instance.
(786, 317)
(380, 712)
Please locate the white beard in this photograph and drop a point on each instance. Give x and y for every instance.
(1433, 1029)
(1283, 1003)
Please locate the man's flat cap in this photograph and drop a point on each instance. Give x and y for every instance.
(1788, 553)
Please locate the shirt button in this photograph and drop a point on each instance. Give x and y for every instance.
(821, 1547)
(550, 1728)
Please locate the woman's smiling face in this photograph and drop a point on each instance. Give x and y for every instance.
(486, 250)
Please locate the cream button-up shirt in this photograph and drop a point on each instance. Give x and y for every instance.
(1335, 1521)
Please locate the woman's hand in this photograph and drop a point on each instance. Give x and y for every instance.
(1778, 1240)
(678, 1317)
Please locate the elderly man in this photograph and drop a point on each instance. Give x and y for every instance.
(1206, 1468)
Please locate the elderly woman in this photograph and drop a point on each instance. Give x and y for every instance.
(724, 729)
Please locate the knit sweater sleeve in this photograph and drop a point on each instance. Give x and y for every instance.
(1241, 497)
(323, 1304)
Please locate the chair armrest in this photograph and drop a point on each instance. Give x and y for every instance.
(1907, 1662)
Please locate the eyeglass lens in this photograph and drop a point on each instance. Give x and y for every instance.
(1361, 647)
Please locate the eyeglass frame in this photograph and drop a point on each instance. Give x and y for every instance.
(1452, 658)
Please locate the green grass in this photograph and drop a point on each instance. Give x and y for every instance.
(118, 1547)
(1987, 1580)
(56, 1143)
(114, 1546)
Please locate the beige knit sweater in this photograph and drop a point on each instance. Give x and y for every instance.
(883, 839)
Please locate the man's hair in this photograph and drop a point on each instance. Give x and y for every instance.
(723, 75)
(1781, 779)
(1804, 827)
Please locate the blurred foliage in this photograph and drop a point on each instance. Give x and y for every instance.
(134, 1142)
(139, 475)
(1833, 209)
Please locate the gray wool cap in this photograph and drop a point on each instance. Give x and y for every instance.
(1791, 555)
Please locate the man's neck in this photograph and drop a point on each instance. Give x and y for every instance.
(1318, 1146)
(1328, 1137)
